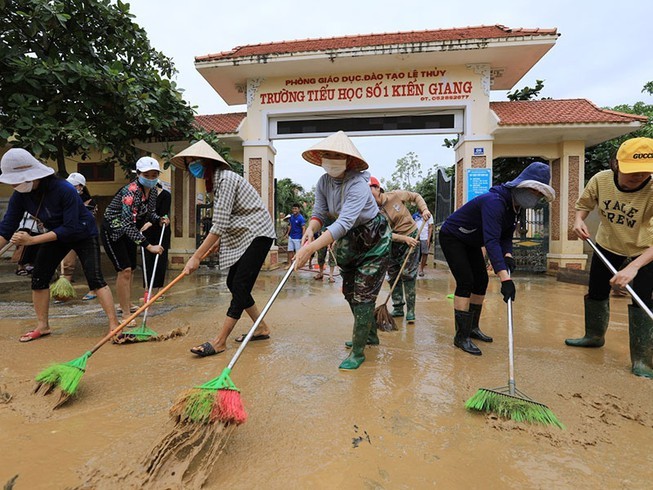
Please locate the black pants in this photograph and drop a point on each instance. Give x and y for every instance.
(153, 235)
(51, 254)
(121, 252)
(600, 275)
(466, 264)
(242, 276)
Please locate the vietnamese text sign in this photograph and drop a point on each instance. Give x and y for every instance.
(479, 181)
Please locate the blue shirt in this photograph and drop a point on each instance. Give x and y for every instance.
(57, 205)
(488, 220)
(296, 224)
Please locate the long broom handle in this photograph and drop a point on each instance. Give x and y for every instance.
(5, 248)
(410, 251)
(258, 321)
(511, 350)
(156, 261)
(147, 304)
(144, 269)
(612, 269)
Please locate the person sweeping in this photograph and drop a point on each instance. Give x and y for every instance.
(242, 231)
(344, 203)
(487, 221)
(55, 203)
(624, 197)
(404, 239)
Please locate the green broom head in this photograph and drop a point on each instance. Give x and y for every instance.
(196, 404)
(140, 334)
(64, 376)
(512, 407)
(62, 290)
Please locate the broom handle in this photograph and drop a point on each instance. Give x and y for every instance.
(5, 248)
(511, 350)
(258, 321)
(156, 261)
(144, 270)
(147, 304)
(612, 269)
(410, 250)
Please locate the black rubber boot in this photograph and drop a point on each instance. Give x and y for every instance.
(640, 328)
(597, 317)
(475, 310)
(463, 321)
(363, 321)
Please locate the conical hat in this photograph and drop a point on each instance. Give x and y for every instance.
(199, 150)
(339, 143)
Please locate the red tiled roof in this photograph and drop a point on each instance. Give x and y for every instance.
(365, 40)
(570, 111)
(221, 123)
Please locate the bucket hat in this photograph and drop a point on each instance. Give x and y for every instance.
(198, 151)
(635, 155)
(536, 176)
(18, 166)
(76, 179)
(338, 143)
(145, 164)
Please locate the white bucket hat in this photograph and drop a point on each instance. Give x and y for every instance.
(145, 164)
(337, 143)
(198, 151)
(18, 166)
(76, 179)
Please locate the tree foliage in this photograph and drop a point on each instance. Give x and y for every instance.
(527, 93)
(77, 75)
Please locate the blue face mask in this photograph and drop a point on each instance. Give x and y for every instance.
(196, 169)
(147, 183)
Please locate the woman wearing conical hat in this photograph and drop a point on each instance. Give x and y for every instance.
(345, 205)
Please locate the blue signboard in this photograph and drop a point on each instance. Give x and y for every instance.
(479, 181)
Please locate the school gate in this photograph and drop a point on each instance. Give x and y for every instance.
(424, 82)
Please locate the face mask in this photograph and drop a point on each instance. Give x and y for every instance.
(147, 183)
(25, 187)
(197, 170)
(525, 198)
(334, 167)
(80, 191)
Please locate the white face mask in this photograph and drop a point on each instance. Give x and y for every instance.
(25, 187)
(334, 168)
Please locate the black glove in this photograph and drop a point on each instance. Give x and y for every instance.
(510, 263)
(508, 290)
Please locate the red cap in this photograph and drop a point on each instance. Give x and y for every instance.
(374, 182)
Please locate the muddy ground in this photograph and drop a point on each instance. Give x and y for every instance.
(397, 422)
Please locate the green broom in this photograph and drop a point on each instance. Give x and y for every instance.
(218, 400)
(67, 376)
(508, 402)
(144, 333)
(62, 290)
(382, 317)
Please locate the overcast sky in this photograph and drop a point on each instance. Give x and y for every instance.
(603, 54)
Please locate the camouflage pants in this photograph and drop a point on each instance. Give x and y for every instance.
(322, 257)
(407, 280)
(362, 256)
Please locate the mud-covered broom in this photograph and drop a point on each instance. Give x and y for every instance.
(67, 376)
(144, 333)
(62, 290)
(384, 320)
(218, 400)
(508, 402)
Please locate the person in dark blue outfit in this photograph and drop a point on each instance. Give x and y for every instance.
(487, 221)
(56, 204)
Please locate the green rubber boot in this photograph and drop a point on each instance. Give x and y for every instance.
(409, 291)
(397, 300)
(597, 317)
(372, 337)
(363, 321)
(640, 328)
(476, 333)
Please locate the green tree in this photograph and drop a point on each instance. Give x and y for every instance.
(288, 193)
(408, 172)
(527, 93)
(77, 75)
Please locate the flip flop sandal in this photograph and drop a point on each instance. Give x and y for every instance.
(205, 350)
(22, 272)
(318, 277)
(131, 324)
(132, 309)
(89, 296)
(254, 337)
(32, 335)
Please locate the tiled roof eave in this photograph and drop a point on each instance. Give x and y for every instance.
(571, 124)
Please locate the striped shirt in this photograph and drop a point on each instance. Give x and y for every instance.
(626, 217)
(239, 216)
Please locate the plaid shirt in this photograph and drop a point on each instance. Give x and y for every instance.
(239, 216)
(127, 209)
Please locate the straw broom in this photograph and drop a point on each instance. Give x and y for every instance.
(67, 376)
(384, 320)
(62, 290)
(508, 402)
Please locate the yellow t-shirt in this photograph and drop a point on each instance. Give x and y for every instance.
(626, 217)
